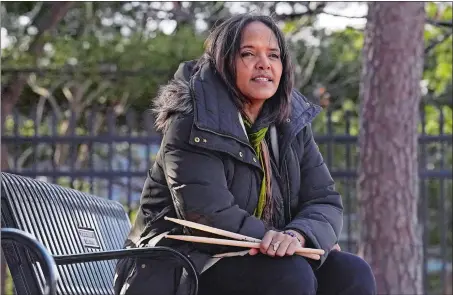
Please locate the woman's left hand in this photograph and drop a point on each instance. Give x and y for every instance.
(276, 243)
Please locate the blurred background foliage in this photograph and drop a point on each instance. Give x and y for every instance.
(130, 48)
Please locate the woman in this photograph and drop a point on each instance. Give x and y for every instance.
(238, 154)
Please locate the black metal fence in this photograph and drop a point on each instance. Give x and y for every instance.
(108, 154)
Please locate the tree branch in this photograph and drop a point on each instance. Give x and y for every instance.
(32, 14)
(434, 43)
(433, 22)
(345, 16)
(438, 23)
(45, 94)
(308, 66)
(48, 17)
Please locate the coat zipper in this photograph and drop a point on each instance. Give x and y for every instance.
(287, 199)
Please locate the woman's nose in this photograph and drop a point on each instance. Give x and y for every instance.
(263, 63)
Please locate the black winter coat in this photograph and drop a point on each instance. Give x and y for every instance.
(206, 171)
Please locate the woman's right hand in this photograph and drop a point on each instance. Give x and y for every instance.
(280, 244)
(276, 243)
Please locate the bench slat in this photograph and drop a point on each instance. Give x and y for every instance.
(66, 221)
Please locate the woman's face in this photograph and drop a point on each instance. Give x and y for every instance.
(258, 63)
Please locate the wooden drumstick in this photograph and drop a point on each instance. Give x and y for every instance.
(213, 230)
(249, 241)
(313, 253)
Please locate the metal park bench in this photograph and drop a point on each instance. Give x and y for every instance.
(61, 241)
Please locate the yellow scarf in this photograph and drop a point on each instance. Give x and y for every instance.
(263, 210)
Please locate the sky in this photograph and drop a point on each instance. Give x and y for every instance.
(339, 23)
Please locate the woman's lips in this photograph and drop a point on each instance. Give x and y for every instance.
(262, 81)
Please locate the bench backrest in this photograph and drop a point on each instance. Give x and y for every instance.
(66, 221)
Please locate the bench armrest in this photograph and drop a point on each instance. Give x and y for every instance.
(49, 266)
(148, 252)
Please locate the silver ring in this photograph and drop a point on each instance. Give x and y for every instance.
(275, 245)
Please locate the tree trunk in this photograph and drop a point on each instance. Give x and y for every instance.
(391, 239)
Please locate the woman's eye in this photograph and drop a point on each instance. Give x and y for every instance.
(275, 56)
(244, 54)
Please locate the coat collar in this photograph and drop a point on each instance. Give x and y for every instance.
(215, 111)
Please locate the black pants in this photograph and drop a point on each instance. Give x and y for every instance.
(341, 274)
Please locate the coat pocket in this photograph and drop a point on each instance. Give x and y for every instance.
(156, 276)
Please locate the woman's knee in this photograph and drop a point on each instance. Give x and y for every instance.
(352, 270)
(355, 264)
(297, 278)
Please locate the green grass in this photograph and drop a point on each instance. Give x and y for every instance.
(9, 286)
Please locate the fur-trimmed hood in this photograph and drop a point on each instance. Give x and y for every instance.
(174, 97)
